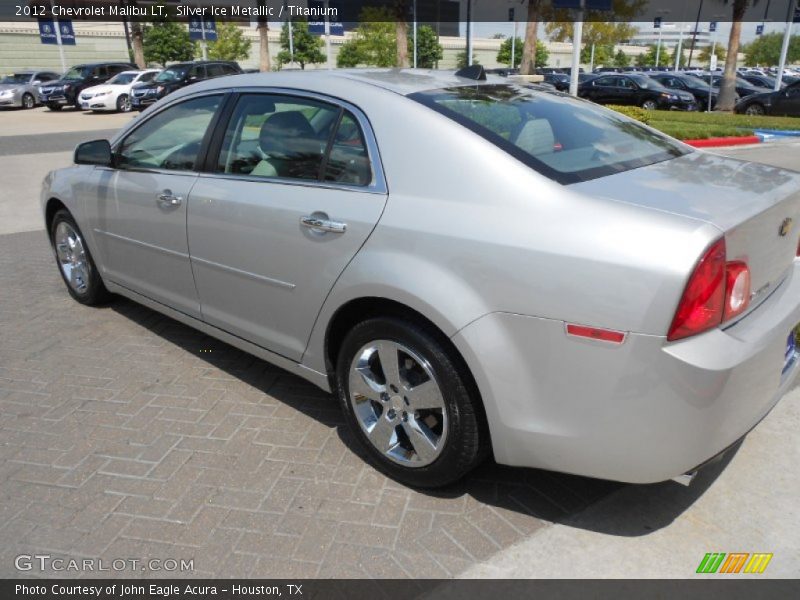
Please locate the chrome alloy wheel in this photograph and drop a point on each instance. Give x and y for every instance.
(398, 403)
(72, 257)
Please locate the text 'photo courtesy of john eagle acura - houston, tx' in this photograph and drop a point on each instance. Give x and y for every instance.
(472, 265)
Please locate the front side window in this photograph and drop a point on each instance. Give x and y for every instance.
(272, 135)
(565, 139)
(197, 72)
(76, 73)
(171, 139)
(215, 70)
(17, 78)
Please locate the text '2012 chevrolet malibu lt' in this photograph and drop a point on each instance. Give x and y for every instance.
(471, 265)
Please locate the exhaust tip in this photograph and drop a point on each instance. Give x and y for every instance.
(686, 478)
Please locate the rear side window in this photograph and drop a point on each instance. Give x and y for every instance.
(566, 139)
(288, 137)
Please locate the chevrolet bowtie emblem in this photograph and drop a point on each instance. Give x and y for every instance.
(786, 227)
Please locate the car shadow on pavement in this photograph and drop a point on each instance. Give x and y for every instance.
(542, 495)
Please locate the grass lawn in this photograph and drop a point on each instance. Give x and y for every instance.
(697, 125)
(702, 125)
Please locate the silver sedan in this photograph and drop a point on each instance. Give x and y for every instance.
(470, 265)
(21, 89)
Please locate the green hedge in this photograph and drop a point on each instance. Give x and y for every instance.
(634, 112)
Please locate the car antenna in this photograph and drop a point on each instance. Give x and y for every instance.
(475, 72)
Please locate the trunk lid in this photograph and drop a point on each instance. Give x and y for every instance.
(756, 206)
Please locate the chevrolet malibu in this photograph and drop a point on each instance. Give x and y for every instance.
(473, 267)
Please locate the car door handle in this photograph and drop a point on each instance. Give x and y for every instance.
(317, 224)
(168, 198)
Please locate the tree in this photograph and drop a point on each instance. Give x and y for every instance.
(528, 62)
(648, 59)
(727, 92)
(705, 54)
(669, 60)
(401, 32)
(766, 50)
(307, 47)
(374, 41)
(603, 54)
(231, 43)
(504, 54)
(167, 41)
(461, 60)
(429, 50)
(621, 59)
(263, 38)
(596, 29)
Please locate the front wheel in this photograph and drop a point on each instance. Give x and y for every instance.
(28, 101)
(124, 103)
(410, 402)
(650, 105)
(75, 262)
(755, 110)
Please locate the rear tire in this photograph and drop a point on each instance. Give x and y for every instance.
(75, 262)
(419, 419)
(28, 101)
(650, 105)
(755, 110)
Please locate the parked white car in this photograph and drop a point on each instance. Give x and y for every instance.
(115, 94)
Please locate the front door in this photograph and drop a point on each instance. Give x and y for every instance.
(295, 194)
(140, 224)
(787, 101)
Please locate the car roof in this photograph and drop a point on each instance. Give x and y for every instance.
(399, 81)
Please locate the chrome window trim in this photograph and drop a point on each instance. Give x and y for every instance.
(376, 186)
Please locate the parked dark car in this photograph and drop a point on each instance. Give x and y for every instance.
(697, 88)
(761, 81)
(635, 89)
(180, 75)
(65, 91)
(743, 87)
(560, 81)
(783, 103)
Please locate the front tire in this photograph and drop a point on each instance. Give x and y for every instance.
(124, 103)
(410, 402)
(75, 262)
(28, 101)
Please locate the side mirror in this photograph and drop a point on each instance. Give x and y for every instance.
(96, 152)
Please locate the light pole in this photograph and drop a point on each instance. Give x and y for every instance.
(577, 39)
(790, 15)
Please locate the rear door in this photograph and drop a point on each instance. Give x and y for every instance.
(293, 190)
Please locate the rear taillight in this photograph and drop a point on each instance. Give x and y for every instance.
(716, 292)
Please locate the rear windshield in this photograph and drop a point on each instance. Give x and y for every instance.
(565, 139)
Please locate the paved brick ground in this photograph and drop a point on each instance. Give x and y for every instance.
(124, 434)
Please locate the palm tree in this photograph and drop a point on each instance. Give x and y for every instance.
(401, 31)
(263, 30)
(727, 92)
(531, 32)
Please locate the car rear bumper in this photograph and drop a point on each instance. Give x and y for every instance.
(641, 412)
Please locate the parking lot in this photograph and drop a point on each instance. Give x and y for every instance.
(124, 434)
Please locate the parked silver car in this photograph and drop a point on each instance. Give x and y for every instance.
(21, 89)
(470, 265)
